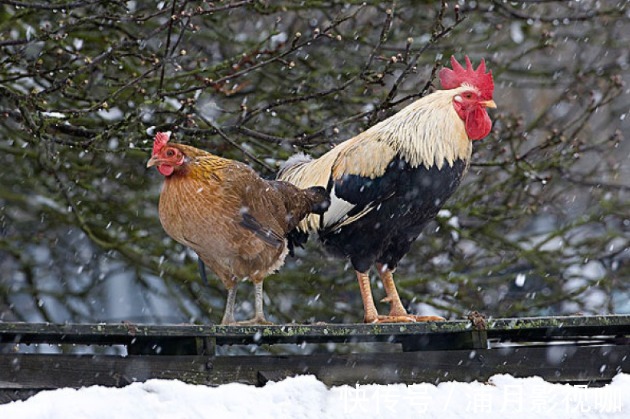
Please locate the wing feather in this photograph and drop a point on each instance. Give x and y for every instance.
(364, 158)
(265, 234)
(338, 210)
(359, 182)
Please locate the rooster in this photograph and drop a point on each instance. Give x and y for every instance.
(235, 221)
(386, 183)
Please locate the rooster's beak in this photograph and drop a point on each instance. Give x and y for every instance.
(489, 104)
(152, 161)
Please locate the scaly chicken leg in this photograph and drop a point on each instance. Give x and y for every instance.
(228, 314)
(371, 314)
(259, 315)
(396, 308)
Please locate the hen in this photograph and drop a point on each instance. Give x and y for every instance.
(236, 221)
(386, 183)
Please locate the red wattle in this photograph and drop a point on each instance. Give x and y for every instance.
(166, 169)
(478, 124)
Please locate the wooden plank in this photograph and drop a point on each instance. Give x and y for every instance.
(432, 352)
(524, 329)
(31, 371)
(471, 339)
(561, 363)
(8, 396)
(542, 328)
(103, 334)
(550, 328)
(571, 365)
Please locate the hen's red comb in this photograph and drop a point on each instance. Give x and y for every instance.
(452, 79)
(161, 138)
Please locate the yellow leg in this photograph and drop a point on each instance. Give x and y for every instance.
(397, 310)
(371, 315)
(396, 307)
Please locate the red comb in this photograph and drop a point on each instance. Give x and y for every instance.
(452, 79)
(161, 138)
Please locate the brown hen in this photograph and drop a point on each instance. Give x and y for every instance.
(236, 221)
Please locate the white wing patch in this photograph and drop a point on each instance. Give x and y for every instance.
(338, 209)
(337, 214)
(349, 220)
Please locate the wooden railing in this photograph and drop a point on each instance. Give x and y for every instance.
(587, 350)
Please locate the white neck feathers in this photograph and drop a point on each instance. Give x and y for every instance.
(427, 132)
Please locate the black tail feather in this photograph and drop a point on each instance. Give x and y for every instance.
(296, 238)
(202, 272)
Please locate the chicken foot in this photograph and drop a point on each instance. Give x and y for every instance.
(259, 315)
(371, 314)
(396, 307)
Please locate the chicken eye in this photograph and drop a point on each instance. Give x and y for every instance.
(170, 153)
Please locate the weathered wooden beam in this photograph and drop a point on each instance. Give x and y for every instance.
(8, 396)
(470, 339)
(524, 329)
(34, 371)
(561, 363)
(583, 350)
(584, 365)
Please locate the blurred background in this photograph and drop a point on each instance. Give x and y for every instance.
(540, 226)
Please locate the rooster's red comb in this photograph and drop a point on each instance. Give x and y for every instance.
(452, 79)
(161, 138)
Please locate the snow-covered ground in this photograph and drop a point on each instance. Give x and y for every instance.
(305, 397)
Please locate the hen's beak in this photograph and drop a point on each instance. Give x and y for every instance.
(489, 104)
(153, 161)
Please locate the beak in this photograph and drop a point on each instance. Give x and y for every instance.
(489, 104)
(153, 161)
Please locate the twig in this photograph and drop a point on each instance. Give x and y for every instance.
(234, 143)
(48, 6)
(167, 46)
